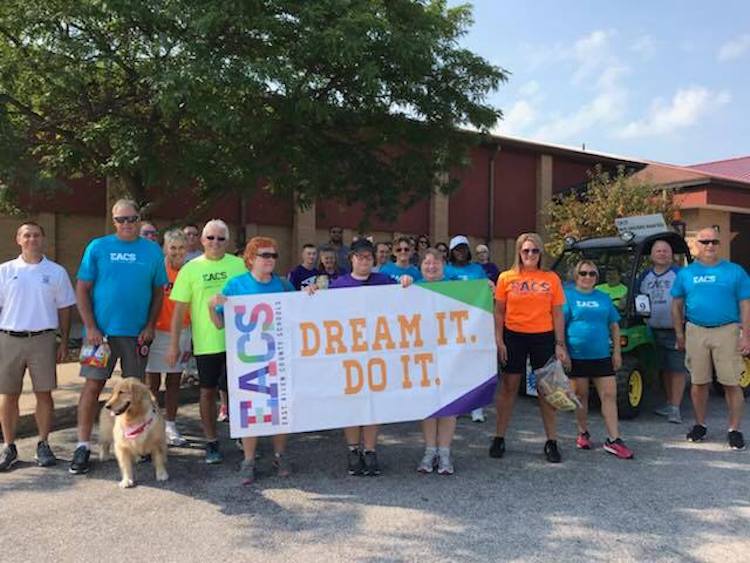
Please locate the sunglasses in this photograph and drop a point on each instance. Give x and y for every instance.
(530, 250)
(212, 237)
(268, 255)
(403, 249)
(126, 219)
(713, 241)
(148, 233)
(589, 273)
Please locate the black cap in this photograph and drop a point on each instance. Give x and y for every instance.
(362, 244)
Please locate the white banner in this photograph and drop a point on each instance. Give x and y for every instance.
(354, 356)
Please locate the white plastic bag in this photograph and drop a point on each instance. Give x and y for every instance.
(555, 386)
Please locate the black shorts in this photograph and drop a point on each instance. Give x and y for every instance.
(538, 347)
(212, 370)
(591, 368)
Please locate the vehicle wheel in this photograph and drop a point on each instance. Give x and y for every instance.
(744, 381)
(630, 388)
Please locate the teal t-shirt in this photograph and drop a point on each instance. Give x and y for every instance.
(123, 276)
(246, 284)
(712, 293)
(471, 271)
(587, 320)
(396, 272)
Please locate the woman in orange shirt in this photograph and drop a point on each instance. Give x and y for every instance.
(529, 324)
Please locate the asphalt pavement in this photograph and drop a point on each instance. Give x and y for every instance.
(675, 501)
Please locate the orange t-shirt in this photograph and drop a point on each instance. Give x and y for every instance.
(164, 320)
(529, 298)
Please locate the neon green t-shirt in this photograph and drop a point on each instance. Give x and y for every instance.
(198, 281)
(615, 292)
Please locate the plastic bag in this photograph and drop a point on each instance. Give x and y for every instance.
(555, 386)
(95, 356)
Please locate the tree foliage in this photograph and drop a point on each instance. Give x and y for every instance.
(357, 100)
(591, 212)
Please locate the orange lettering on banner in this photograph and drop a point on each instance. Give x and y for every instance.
(334, 335)
(406, 383)
(441, 340)
(459, 317)
(422, 360)
(309, 329)
(371, 374)
(383, 333)
(359, 344)
(410, 327)
(353, 366)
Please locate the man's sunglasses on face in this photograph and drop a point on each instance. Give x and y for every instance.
(212, 237)
(126, 219)
(713, 241)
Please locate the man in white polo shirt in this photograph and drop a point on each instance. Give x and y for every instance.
(35, 300)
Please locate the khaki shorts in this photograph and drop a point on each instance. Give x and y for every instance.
(37, 353)
(709, 349)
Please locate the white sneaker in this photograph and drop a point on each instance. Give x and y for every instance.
(674, 416)
(664, 410)
(477, 415)
(174, 438)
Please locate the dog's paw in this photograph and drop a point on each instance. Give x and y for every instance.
(163, 476)
(126, 483)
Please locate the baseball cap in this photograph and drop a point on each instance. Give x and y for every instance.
(457, 240)
(482, 248)
(362, 244)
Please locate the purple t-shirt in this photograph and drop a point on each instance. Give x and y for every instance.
(347, 280)
(302, 277)
(492, 271)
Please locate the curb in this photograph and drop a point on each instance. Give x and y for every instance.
(65, 417)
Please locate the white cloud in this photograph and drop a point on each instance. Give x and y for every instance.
(644, 46)
(734, 48)
(517, 118)
(604, 109)
(687, 106)
(531, 88)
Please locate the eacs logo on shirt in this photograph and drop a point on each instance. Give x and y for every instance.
(533, 286)
(128, 257)
(215, 276)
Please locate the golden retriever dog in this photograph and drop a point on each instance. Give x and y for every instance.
(132, 421)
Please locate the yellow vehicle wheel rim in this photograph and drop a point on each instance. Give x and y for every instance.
(635, 388)
(745, 379)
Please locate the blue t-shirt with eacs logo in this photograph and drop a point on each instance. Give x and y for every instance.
(246, 284)
(124, 274)
(471, 271)
(396, 272)
(712, 293)
(587, 320)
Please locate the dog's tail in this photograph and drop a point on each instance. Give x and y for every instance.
(106, 430)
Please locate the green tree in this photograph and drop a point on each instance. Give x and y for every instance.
(591, 212)
(357, 100)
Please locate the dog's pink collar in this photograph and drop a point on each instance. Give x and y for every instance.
(132, 432)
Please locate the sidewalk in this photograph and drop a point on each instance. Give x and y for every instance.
(69, 385)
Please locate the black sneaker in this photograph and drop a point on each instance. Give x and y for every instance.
(8, 457)
(355, 461)
(697, 433)
(497, 449)
(552, 452)
(80, 463)
(371, 465)
(44, 456)
(736, 440)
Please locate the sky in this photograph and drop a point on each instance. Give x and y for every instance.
(667, 81)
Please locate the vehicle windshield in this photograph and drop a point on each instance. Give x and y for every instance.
(615, 264)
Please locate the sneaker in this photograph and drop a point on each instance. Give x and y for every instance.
(428, 463)
(736, 440)
(174, 438)
(497, 449)
(551, 451)
(213, 455)
(697, 433)
(247, 471)
(371, 465)
(281, 465)
(44, 456)
(674, 416)
(477, 415)
(445, 464)
(664, 410)
(355, 462)
(223, 414)
(618, 448)
(80, 463)
(8, 457)
(583, 442)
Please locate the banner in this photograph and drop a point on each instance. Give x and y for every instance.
(355, 356)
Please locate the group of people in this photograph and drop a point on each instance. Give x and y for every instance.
(157, 307)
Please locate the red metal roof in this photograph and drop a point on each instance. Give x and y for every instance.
(737, 168)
